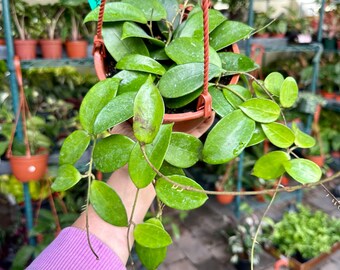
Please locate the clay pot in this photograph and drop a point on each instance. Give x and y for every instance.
(224, 199)
(51, 49)
(76, 48)
(319, 160)
(25, 49)
(29, 168)
(328, 95)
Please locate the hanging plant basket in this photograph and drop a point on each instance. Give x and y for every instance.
(28, 167)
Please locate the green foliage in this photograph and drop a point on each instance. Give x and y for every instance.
(305, 232)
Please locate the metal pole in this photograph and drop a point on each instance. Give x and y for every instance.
(15, 102)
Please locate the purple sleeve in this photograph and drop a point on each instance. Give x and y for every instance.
(70, 250)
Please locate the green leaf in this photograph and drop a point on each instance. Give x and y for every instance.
(148, 112)
(228, 138)
(107, 204)
(151, 258)
(132, 30)
(178, 198)
(302, 139)
(140, 171)
(171, 7)
(178, 50)
(180, 102)
(74, 147)
(151, 236)
(261, 110)
(258, 136)
(117, 47)
(234, 63)
(115, 112)
(131, 81)
(278, 134)
(22, 257)
(236, 94)
(159, 54)
(118, 12)
(152, 9)
(67, 177)
(270, 166)
(227, 33)
(184, 150)
(112, 153)
(219, 103)
(289, 92)
(94, 101)
(184, 79)
(168, 169)
(259, 92)
(303, 170)
(142, 63)
(273, 83)
(193, 27)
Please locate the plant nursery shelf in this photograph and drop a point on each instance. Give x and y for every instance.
(38, 63)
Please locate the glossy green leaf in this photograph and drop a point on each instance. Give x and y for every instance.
(278, 134)
(94, 101)
(190, 50)
(194, 24)
(118, 47)
(159, 54)
(303, 170)
(151, 258)
(118, 11)
(184, 150)
(227, 33)
(261, 110)
(259, 92)
(270, 166)
(228, 138)
(180, 102)
(168, 169)
(184, 79)
(178, 198)
(74, 147)
(132, 30)
(137, 62)
(151, 236)
(148, 112)
(140, 171)
(289, 92)
(234, 63)
(171, 7)
(258, 136)
(219, 103)
(152, 9)
(131, 81)
(112, 153)
(273, 83)
(236, 94)
(302, 139)
(115, 112)
(67, 177)
(107, 204)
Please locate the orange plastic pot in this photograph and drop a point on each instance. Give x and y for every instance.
(51, 49)
(319, 160)
(25, 49)
(224, 199)
(29, 168)
(76, 48)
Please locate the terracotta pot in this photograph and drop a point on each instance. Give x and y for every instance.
(278, 35)
(328, 95)
(29, 168)
(51, 49)
(2, 42)
(224, 199)
(25, 49)
(284, 180)
(76, 49)
(319, 160)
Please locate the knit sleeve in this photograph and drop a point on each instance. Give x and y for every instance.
(70, 250)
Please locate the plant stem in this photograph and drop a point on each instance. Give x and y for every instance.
(234, 92)
(130, 224)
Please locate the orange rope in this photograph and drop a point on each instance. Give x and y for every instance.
(100, 19)
(205, 7)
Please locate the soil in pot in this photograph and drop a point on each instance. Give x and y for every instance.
(25, 49)
(51, 49)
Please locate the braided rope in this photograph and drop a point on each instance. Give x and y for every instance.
(100, 19)
(205, 8)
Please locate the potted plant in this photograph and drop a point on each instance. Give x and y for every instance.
(76, 47)
(304, 235)
(51, 45)
(299, 29)
(278, 27)
(157, 71)
(261, 20)
(26, 21)
(226, 182)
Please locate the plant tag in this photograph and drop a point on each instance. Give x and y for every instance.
(94, 3)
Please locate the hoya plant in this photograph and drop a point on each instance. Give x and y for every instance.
(157, 68)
